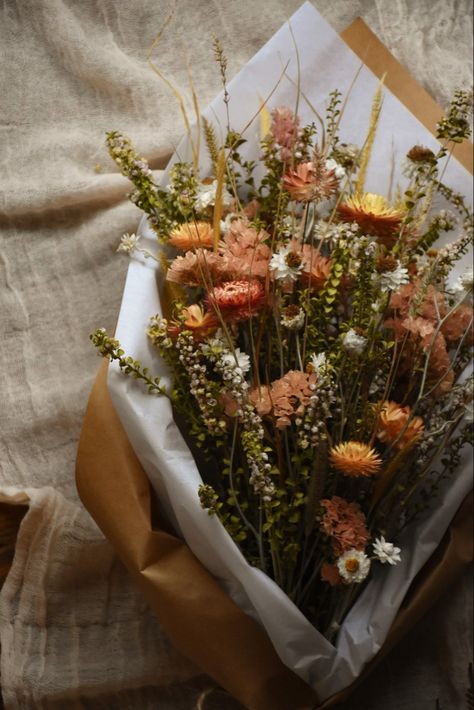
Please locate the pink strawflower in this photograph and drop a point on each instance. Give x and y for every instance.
(237, 300)
(201, 268)
(311, 181)
(247, 249)
(345, 524)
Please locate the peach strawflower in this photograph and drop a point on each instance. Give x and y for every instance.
(345, 524)
(393, 420)
(355, 459)
(330, 574)
(192, 235)
(316, 268)
(311, 181)
(201, 324)
(374, 215)
(237, 300)
(247, 249)
(200, 268)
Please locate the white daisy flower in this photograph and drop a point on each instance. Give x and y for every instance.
(353, 566)
(465, 283)
(354, 344)
(339, 171)
(386, 551)
(206, 196)
(392, 280)
(128, 243)
(285, 265)
(237, 359)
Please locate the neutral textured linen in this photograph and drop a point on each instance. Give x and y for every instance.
(74, 633)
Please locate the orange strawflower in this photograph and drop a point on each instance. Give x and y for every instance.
(355, 459)
(393, 420)
(374, 215)
(192, 235)
(316, 268)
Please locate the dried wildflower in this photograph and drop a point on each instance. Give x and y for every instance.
(285, 131)
(353, 343)
(345, 524)
(353, 566)
(421, 154)
(192, 235)
(355, 459)
(395, 425)
(206, 196)
(286, 264)
(315, 268)
(293, 317)
(201, 268)
(237, 300)
(239, 359)
(128, 243)
(246, 248)
(465, 283)
(311, 181)
(318, 363)
(455, 126)
(387, 262)
(290, 395)
(374, 216)
(456, 324)
(386, 552)
(393, 279)
(330, 574)
(202, 324)
(260, 398)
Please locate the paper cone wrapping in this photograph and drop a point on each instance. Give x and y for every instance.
(200, 618)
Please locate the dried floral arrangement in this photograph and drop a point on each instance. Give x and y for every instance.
(317, 349)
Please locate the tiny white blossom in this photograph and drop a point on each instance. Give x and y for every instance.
(280, 266)
(339, 171)
(237, 359)
(353, 566)
(465, 283)
(206, 196)
(319, 362)
(354, 344)
(469, 412)
(128, 243)
(392, 280)
(386, 551)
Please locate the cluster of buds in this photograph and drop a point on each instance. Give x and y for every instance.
(312, 425)
(232, 373)
(455, 126)
(202, 389)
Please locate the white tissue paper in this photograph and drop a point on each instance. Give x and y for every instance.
(326, 63)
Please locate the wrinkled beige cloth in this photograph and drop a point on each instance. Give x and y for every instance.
(73, 631)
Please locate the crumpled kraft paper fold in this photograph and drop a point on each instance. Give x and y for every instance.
(199, 617)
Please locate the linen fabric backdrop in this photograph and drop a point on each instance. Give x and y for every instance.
(74, 632)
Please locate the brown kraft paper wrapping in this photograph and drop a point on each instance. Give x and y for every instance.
(199, 617)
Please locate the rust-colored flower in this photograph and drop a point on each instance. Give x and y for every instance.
(316, 268)
(392, 422)
(237, 300)
(311, 181)
(330, 574)
(355, 459)
(192, 235)
(374, 215)
(458, 323)
(345, 524)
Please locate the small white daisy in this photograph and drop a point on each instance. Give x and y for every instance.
(354, 344)
(392, 280)
(294, 321)
(128, 243)
(206, 196)
(386, 552)
(339, 171)
(319, 362)
(237, 359)
(353, 566)
(286, 264)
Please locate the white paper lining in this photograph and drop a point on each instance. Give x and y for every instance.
(326, 63)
